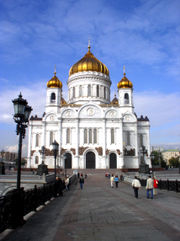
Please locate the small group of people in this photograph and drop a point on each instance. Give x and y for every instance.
(114, 180)
(151, 187)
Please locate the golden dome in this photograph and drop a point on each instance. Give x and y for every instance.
(54, 82)
(124, 83)
(89, 63)
(114, 101)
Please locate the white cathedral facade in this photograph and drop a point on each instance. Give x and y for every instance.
(92, 131)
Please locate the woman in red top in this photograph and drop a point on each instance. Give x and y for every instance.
(155, 185)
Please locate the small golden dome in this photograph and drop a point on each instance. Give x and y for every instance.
(54, 82)
(114, 101)
(124, 83)
(89, 63)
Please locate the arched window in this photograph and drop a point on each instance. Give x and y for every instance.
(80, 90)
(126, 98)
(53, 97)
(128, 138)
(89, 90)
(95, 135)
(112, 135)
(90, 136)
(36, 160)
(37, 139)
(67, 135)
(51, 137)
(74, 92)
(85, 136)
(104, 92)
(97, 90)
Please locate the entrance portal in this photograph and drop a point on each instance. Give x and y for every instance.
(112, 160)
(90, 160)
(67, 161)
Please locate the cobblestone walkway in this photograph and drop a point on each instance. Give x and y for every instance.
(99, 212)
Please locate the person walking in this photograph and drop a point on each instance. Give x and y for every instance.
(81, 181)
(136, 185)
(149, 187)
(67, 184)
(112, 180)
(155, 185)
(116, 180)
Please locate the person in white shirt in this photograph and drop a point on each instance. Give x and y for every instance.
(112, 180)
(136, 185)
(149, 186)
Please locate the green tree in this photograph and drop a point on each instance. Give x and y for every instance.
(23, 162)
(174, 162)
(157, 158)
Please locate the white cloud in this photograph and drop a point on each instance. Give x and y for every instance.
(14, 148)
(34, 94)
(161, 108)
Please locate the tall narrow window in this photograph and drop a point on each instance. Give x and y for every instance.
(128, 138)
(53, 97)
(37, 139)
(36, 160)
(104, 92)
(126, 98)
(95, 136)
(89, 90)
(112, 135)
(97, 90)
(51, 137)
(74, 94)
(141, 139)
(67, 135)
(85, 136)
(90, 136)
(80, 90)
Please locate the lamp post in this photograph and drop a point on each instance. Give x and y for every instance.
(21, 116)
(55, 146)
(152, 160)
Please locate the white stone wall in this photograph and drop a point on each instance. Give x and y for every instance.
(89, 114)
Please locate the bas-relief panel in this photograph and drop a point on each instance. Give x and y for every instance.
(68, 114)
(128, 118)
(90, 112)
(112, 114)
(51, 118)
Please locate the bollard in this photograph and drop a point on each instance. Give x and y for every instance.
(167, 184)
(177, 186)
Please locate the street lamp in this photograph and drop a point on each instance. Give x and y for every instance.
(21, 116)
(152, 156)
(55, 147)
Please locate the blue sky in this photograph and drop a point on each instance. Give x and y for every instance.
(143, 35)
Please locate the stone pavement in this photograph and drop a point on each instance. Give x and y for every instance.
(99, 212)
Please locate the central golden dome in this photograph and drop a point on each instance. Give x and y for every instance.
(89, 63)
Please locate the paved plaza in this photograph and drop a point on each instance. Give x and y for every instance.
(101, 213)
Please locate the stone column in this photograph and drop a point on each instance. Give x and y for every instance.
(76, 157)
(60, 144)
(121, 164)
(29, 144)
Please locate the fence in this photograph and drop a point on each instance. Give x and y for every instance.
(15, 204)
(170, 185)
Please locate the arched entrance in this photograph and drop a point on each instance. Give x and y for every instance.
(90, 160)
(112, 160)
(67, 161)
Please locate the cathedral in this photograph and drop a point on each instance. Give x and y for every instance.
(93, 131)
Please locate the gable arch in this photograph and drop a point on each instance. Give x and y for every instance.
(90, 110)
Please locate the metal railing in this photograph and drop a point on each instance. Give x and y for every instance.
(170, 185)
(16, 204)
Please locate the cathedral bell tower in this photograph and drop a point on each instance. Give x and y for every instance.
(53, 94)
(125, 90)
